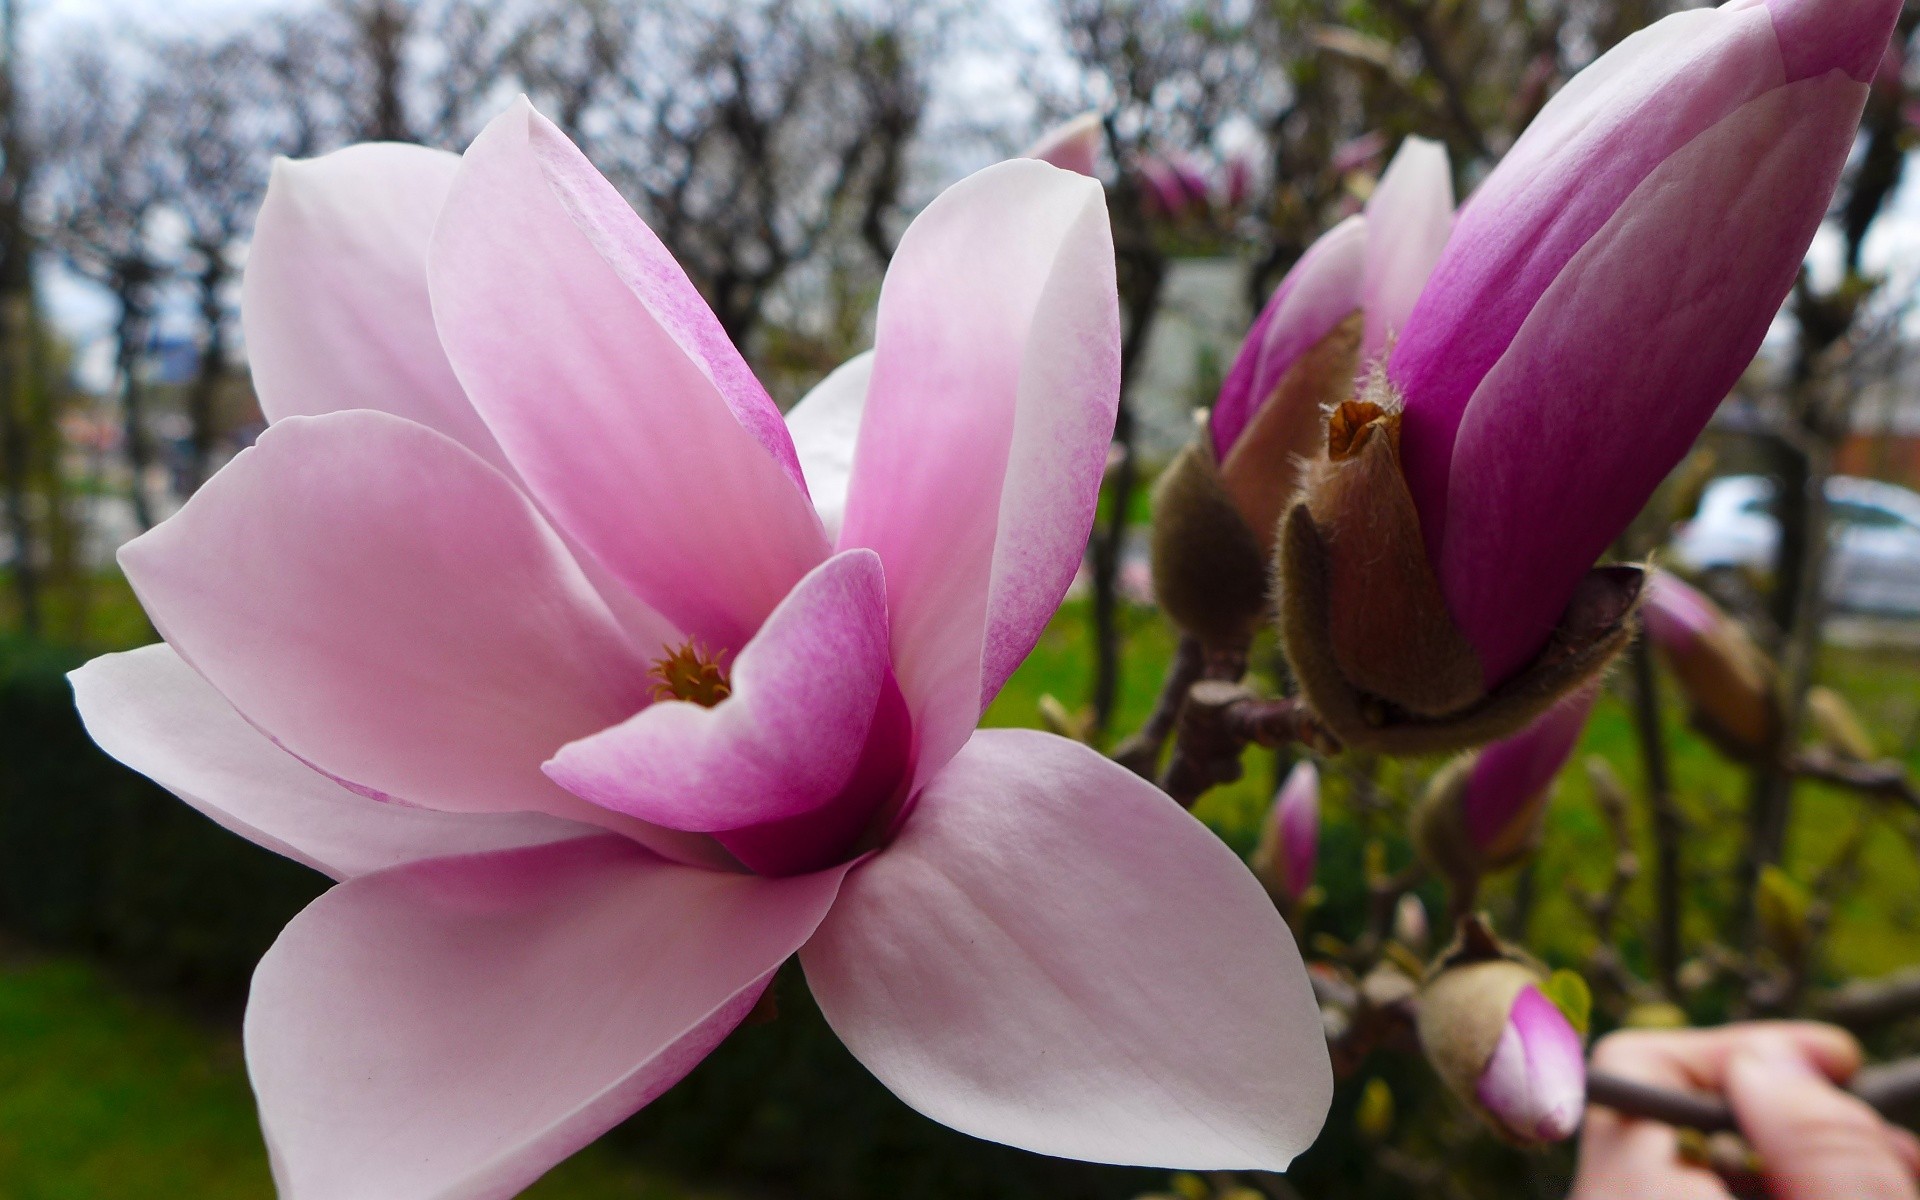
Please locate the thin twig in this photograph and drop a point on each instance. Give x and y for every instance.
(1218, 722)
(1890, 1088)
(1886, 780)
(1140, 753)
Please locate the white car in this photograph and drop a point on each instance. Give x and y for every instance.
(1874, 563)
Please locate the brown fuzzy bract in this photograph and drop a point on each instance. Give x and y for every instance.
(1209, 570)
(1593, 630)
(1387, 627)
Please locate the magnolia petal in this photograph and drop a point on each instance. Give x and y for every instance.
(826, 427)
(1817, 36)
(152, 712)
(1511, 776)
(451, 1029)
(1409, 217)
(995, 383)
(1536, 1081)
(1324, 288)
(1072, 145)
(1592, 146)
(786, 741)
(1675, 614)
(334, 298)
(389, 608)
(612, 388)
(1053, 955)
(1567, 436)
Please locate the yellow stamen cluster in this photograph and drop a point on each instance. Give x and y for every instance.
(691, 674)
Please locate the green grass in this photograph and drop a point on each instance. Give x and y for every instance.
(107, 1094)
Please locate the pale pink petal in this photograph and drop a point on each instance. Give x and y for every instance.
(1676, 615)
(334, 300)
(826, 428)
(1324, 288)
(450, 1029)
(1536, 1081)
(1568, 434)
(1817, 36)
(1409, 217)
(391, 609)
(336, 312)
(155, 714)
(995, 382)
(788, 742)
(1053, 955)
(1593, 145)
(1072, 145)
(611, 387)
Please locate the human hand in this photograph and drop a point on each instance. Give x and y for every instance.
(1815, 1142)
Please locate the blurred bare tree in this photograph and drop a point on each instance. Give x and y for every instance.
(106, 182)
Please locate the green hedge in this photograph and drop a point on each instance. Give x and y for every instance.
(93, 857)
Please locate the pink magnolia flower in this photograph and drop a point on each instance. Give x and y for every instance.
(1374, 263)
(1509, 782)
(1606, 286)
(1072, 145)
(1535, 1084)
(513, 459)
(1290, 840)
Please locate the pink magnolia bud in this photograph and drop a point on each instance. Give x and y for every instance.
(1356, 153)
(1605, 288)
(1238, 185)
(1731, 685)
(1167, 189)
(1512, 778)
(1071, 145)
(1536, 1081)
(1290, 841)
(1495, 1039)
(1217, 507)
(1374, 265)
(1483, 811)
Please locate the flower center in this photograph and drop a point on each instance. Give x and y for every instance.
(690, 673)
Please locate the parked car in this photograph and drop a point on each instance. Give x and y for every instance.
(1874, 563)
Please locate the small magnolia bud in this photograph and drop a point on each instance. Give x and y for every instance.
(1365, 626)
(1731, 685)
(1290, 839)
(1209, 570)
(1781, 904)
(1373, 1116)
(1482, 811)
(1410, 926)
(1505, 1049)
(1837, 725)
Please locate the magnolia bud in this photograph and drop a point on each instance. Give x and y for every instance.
(1838, 726)
(1731, 684)
(1482, 811)
(1410, 926)
(1071, 145)
(1290, 839)
(1503, 1047)
(1209, 567)
(1367, 631)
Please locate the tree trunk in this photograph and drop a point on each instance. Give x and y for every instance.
(130, 336)
(204, 398)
